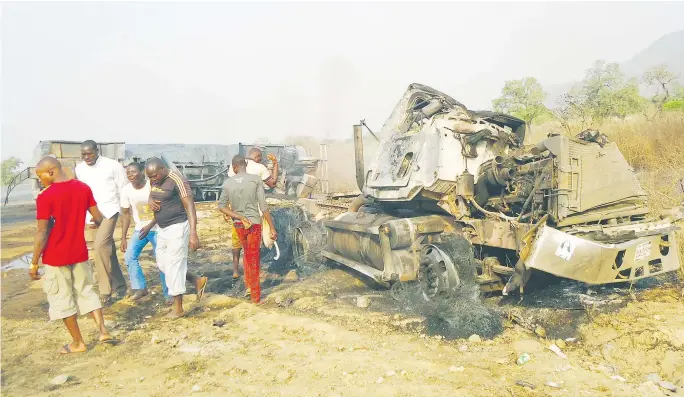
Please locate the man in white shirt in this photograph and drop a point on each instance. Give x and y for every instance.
(254, 167)
(105, 177)
(134, 197)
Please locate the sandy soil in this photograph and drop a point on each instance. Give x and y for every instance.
(311, 339)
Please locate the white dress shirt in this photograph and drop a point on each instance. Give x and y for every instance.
(105, 178)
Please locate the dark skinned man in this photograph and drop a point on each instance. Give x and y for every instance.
(174, 211)
(68, 280)
(105, 177)
(254, 167)
(245, 193)
(134, 197)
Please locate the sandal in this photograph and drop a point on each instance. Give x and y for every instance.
(67, 350)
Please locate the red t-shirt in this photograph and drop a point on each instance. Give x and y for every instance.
(66, 202)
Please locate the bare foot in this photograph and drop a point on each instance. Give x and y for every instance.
(173, 315)
(107, 339)
(73, 348)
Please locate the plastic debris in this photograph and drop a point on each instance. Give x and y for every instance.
(558, 351)
(523, 359)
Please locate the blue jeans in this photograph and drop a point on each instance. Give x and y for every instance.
(135, 247)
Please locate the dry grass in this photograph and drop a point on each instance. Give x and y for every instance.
(654, 148)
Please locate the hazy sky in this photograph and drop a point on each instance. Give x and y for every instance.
(228, 72)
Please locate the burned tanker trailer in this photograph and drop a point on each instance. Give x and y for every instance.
(453, 195)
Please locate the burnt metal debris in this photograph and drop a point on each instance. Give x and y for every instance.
(571, 207)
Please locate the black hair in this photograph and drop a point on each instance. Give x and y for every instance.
(137, 165)
(89, 144)
(239, 161)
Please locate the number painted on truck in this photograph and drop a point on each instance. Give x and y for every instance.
(642, 251)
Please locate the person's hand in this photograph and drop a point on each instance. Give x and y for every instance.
(274, 234)
(246, 222)
(227, 218)
(155, 205)
(124, 244)
(143, 232)
(92, 226)
(194, 241)
(33, 271)
(272, 157)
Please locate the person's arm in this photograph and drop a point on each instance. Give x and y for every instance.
(235, 215)
(143, 232)
(96, 214)
(226, 210)
(43, 217)
(188, 201)
(39, 242)
(125, 219)
(272, 179)
(125, 223)
(263, 206)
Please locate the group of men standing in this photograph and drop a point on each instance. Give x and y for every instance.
(163, 212)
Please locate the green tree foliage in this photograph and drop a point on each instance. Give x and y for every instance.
(603, 93)
(9, 169)
(663, 80)
(522, 98)
(676, 102)
(675, 105)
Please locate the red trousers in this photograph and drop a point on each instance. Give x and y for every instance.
(251, 245)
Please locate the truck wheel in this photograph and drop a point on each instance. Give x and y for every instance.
(445, 266)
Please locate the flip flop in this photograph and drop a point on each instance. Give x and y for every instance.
(68, 350)
(112, 342)
(236, 277)
(200, 291)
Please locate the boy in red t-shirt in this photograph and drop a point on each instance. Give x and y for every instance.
(68, 280)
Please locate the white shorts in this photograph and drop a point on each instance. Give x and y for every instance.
(172, 256)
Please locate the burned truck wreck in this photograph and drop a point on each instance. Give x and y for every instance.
(446, 175)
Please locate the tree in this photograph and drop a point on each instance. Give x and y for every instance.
(663, 80)
(522, 98)
(9, 167)
(603, 93)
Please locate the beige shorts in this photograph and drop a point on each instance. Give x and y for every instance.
(70, 290)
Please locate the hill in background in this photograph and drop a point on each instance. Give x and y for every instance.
(668, 49)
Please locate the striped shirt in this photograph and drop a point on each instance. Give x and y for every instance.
(169, 193)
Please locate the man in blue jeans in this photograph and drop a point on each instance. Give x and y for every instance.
(134, 201)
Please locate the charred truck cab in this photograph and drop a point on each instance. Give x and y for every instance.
(450, 187)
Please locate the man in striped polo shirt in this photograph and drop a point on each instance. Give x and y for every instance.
(174, 211)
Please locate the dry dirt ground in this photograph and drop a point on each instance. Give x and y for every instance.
(311, 339)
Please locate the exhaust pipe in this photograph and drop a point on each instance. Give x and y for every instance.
(358, 157)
